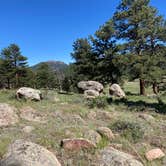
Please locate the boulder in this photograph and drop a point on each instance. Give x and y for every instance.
(92, 136)
(91, 94)
(154, 154)
(8, 115)
(29, 93)
(77, 144)
(115, 90)
(31, 114)
(112, 157)
(24, 153)
(106, 132)
(90, 85)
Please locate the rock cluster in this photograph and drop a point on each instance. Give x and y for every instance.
(92, 89)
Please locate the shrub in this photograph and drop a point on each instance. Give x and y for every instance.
(99, 102)
(130, 130)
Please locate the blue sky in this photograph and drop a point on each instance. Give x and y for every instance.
(46, 29)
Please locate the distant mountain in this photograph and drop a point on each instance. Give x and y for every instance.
(54, 65)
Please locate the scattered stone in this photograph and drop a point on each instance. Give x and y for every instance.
(8, 115)
(106, 132)
(28, 129)
(25, 153)
(90, 85)
(29, 93)
(77, 144)
(30, 114)
(154, 154)
(91, 94)
(115, 90)
(92, 136)
(112, 157)
(147, 117)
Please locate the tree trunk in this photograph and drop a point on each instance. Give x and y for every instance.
(142, 87)
(17, 80)
(8, 83)
(155, 88)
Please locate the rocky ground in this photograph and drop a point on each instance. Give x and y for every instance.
(63, 129)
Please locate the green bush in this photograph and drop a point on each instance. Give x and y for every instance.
(99, 102)
(130, 130)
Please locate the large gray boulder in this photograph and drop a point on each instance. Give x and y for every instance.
(90, 85)
(112, 157)
(8, 115)
(29, 93)
(23, 153)
(115, 90)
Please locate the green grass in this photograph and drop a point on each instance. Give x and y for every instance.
(61, 123)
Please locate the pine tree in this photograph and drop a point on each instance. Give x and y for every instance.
(85, 61)
(45, 78)
(105, 50)
(13, 65)
(137, 26)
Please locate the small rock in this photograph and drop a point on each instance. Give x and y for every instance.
(154, 154)
(112, 157)
(92, 136)
(24, 153)
(8, 115)
(91, 94)
(28, 129)
(106, 132)
(77, 144)
(116, 90)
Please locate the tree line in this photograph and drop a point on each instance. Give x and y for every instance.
(131, 45)
(15, 72)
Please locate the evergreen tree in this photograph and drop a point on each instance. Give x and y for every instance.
(105, 50)
(45, 78)
(137, 25)
(13, 65)
(85, 61)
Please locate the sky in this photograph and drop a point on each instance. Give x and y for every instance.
(46, 29)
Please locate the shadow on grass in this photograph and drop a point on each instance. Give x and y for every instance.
(131, 94)
(140, 105)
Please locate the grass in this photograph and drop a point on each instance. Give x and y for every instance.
(67, 118)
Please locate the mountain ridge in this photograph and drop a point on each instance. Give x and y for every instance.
(54, 65)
